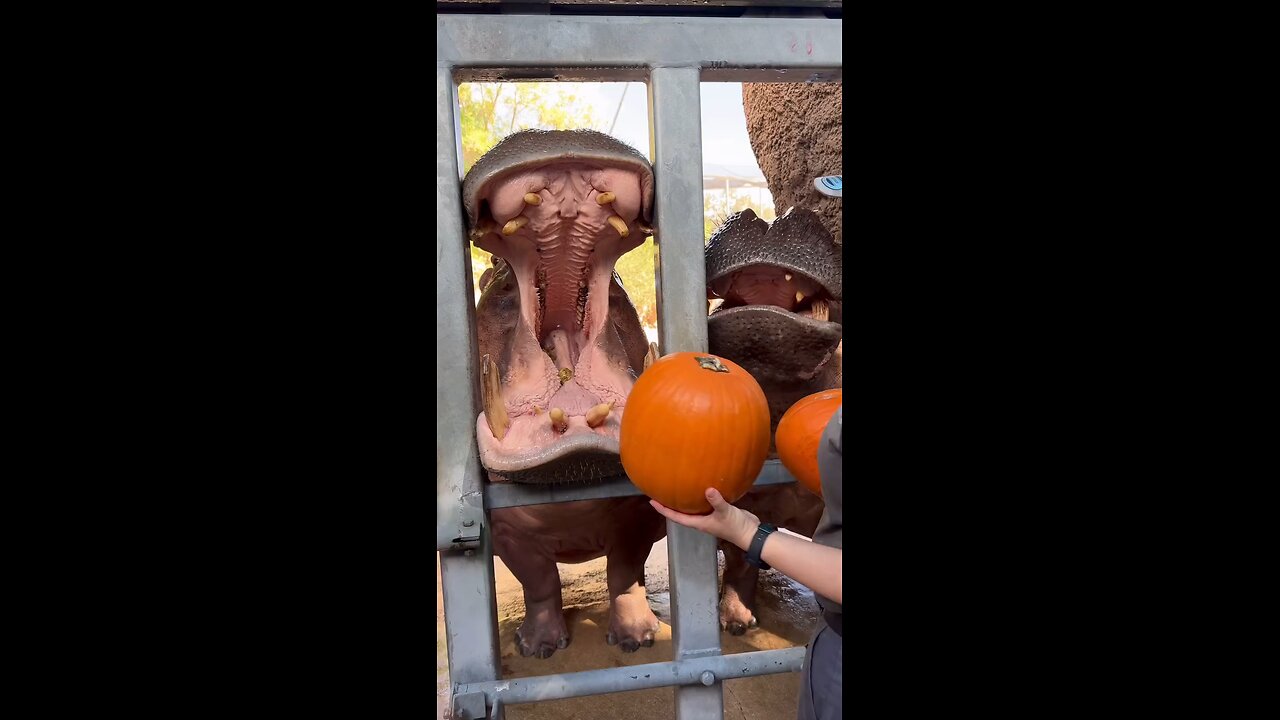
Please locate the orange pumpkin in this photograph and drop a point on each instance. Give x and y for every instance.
(694, 421)
(799, 432)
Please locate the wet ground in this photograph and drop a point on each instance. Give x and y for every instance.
(786, 611)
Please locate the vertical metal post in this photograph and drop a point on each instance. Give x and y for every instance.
(459, 504)
(466, 560)
(466, 577)
(675, 134)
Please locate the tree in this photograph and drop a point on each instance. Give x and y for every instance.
(492, 111)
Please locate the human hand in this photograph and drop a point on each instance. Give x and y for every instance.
(725, 521)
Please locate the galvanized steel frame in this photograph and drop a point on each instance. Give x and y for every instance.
(673, 54)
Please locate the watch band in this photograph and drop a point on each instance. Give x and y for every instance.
(757, 544)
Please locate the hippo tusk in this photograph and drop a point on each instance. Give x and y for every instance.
(558, 421)
(619, 224)
(495, 411)
(514, 224)
(787, 276)
(532, 199)
(799, 296)
(598, 414)
(605, 198)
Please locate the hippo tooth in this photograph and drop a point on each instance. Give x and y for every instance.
(495, 411)
(598, 414)
(820, 310)
(533, 199)
(605, 198)
(644, 229)
(514, 224)
(788, 276)
(651, 355)
(619, 224)
(799, 296)
(558, 421)
(479, 231)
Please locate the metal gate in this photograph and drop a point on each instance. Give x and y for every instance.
(672, 54)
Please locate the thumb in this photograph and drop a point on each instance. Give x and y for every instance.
(716, 499)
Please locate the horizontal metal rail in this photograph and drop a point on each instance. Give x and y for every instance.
(501, 495)
(573, 47)
(694, 671)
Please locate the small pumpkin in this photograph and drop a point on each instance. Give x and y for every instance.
(799, 432)
(694, 421)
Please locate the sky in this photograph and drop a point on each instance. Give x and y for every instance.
(724, 126)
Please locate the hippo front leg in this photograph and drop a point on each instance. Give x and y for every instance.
(632, 623)
(543, 630)
(738, 598)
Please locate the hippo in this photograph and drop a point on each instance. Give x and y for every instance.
(775, 304)
(561, 345)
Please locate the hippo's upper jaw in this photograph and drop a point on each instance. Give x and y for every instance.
(780, 293)
(559, 208)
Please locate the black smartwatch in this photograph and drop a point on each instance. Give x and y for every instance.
(757, 544)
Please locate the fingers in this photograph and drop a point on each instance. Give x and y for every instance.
(672, 515)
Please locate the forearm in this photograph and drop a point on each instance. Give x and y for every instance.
(818, 567)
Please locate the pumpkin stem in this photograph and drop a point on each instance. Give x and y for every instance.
(711, 363)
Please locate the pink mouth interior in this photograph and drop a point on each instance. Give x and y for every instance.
(563, 259)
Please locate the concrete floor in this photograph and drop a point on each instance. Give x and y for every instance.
(787, 614)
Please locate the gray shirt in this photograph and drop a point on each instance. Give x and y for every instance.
(830, 530)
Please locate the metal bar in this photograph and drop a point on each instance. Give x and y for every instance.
(675, 130)
(471, 627)
(572, 47)
(638, 677)
(501, 495)
(459, 505)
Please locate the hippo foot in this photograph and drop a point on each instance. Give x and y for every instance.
(632, 624)
(734, 616)
(542, 633)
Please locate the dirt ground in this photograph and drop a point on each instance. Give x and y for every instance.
(786, 611)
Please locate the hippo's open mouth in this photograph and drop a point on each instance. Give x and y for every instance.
(559, 208)
(775, 294)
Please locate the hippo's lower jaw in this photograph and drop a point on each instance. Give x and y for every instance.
(775, 345)
(581, 453)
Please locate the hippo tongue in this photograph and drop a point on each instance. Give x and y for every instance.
(574, 399)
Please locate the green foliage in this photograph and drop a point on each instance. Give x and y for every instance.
(636, 268)
(492, 111)
(479, 263)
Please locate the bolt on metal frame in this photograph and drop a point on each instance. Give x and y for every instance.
(673, 55)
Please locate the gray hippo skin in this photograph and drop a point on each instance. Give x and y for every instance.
(779, 317)
(561, 346)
